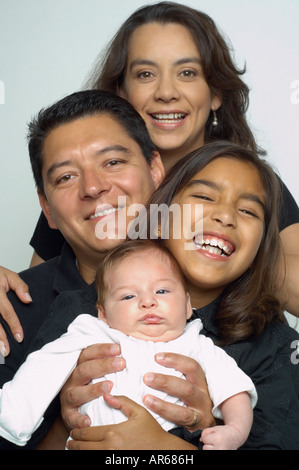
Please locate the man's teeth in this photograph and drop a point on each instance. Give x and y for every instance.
(105, 212)
(213, 245)
(168, 116)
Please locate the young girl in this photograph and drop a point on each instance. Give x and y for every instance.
(231, 274)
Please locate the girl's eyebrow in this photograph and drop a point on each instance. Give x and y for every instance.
(217, 187)
(184, 60)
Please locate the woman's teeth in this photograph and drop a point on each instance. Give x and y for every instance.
(169, 117)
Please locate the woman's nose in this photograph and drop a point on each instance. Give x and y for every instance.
(166, 90)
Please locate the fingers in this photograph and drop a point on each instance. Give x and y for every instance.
(79, 390)
(10, 317)
(10, 280)
(179, 415)
(99, 351)
(186, 365)
(174, 386)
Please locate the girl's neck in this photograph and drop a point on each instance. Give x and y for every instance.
(200, 297)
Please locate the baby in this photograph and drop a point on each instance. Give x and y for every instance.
(143, 305)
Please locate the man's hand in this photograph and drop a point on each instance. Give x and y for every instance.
(139, 432)
(94, 362)
(193, 392)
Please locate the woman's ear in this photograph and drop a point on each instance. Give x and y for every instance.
(46, 209)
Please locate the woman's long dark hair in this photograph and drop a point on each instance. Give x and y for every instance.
(222, 75)
(249, 303)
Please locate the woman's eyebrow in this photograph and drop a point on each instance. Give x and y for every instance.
(182, 61)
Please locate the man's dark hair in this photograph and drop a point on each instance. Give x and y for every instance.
(79, 105)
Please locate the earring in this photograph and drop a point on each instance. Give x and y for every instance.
(215, 121)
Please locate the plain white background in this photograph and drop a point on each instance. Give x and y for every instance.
(47, 48)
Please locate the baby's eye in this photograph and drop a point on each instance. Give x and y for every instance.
(162, 291)
(127, 297)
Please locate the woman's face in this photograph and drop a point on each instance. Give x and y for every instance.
(164, 81)
(232, 197)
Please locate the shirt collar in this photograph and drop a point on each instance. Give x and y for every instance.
(67, 276)
(207, 315)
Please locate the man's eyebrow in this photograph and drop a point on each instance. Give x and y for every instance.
(216, 187)
(102, 151)
(184, 60)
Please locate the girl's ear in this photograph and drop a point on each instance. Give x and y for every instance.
(189, 306)
(101, 313)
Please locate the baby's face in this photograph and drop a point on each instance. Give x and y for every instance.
(145, 298)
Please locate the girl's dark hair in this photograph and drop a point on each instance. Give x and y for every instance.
(222, 75)
(249, 303)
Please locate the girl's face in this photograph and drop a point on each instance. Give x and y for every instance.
(232, 197)
(164, 81)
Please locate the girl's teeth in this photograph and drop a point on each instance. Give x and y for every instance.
(213, 245)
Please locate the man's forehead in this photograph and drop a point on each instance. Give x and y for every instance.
(96, 133)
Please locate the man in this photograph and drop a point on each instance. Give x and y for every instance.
(86, 151)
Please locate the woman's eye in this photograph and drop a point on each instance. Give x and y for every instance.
(145, 75)
(188, 73)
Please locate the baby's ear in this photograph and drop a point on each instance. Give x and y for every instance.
(189, 306)
(101, 313)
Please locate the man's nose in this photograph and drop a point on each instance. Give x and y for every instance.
(92, 184)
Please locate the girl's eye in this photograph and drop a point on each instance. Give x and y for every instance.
(203, 197)
(162, 291)
(248, 212)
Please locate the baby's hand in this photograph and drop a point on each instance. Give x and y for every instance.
(225, 437)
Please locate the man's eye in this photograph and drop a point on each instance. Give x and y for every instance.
(113, 162)
(64, 179)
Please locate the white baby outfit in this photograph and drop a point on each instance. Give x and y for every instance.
(24, 400)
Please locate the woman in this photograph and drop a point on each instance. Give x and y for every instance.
(231, 272)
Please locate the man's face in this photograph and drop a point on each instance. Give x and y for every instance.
(88, 164)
